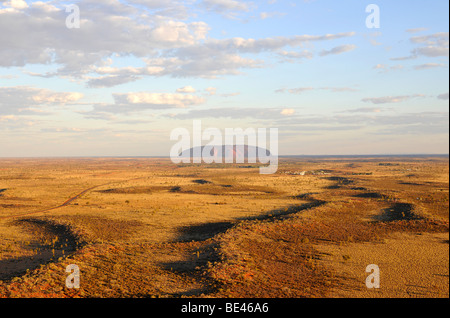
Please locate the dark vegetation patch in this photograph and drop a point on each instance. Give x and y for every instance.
(400, 211)
(203, 231)
(51, 234)
(175, 189)
(283, 213)
(369, 195)
(340, 181)
(220, 189)
(135, 190)
(411, 183)
(52, 240)
(201, 181)
(305, 196)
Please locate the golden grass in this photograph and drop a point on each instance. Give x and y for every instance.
(148, 228)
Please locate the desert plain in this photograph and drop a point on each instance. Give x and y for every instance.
(145, 227)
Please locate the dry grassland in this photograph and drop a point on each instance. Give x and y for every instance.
(149, 228)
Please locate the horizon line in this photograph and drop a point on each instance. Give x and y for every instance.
(280, 156)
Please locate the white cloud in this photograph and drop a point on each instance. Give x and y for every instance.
(293, 56)
(386, 68)
(301, 90)
(167, 45)
(176, 33)
(235, 113)
(441, 39)
(268, 15)
(173, 8)
(404, 58)
(31, 100)
(443, 96)
(107, 27)
(416, 30)
(429, 66)
(433, 45)
(117, 76)
(340, 89)
(338, 50)
(230, 94)
(432, 51)
(8, 118)
(363, 110)
(391, 99)
(288, 112)
(16, 4)
(196, 62)
(211, 90)
(242, 45)
(436, 44)
(351, 120)
(111, 80)
(228, 8)
(186, 89)
(159, 99)
(46, 96)
(136, 102)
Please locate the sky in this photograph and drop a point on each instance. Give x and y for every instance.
(330, 79)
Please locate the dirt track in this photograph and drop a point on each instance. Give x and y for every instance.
(66, 203)
(50, 209)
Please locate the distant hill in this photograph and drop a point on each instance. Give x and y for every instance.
(235, 152)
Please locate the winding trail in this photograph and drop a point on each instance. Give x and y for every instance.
(66, 203)
(51, 209)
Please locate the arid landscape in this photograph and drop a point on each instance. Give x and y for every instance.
(145, 227)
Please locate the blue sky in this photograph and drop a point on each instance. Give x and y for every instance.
(137, 69)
